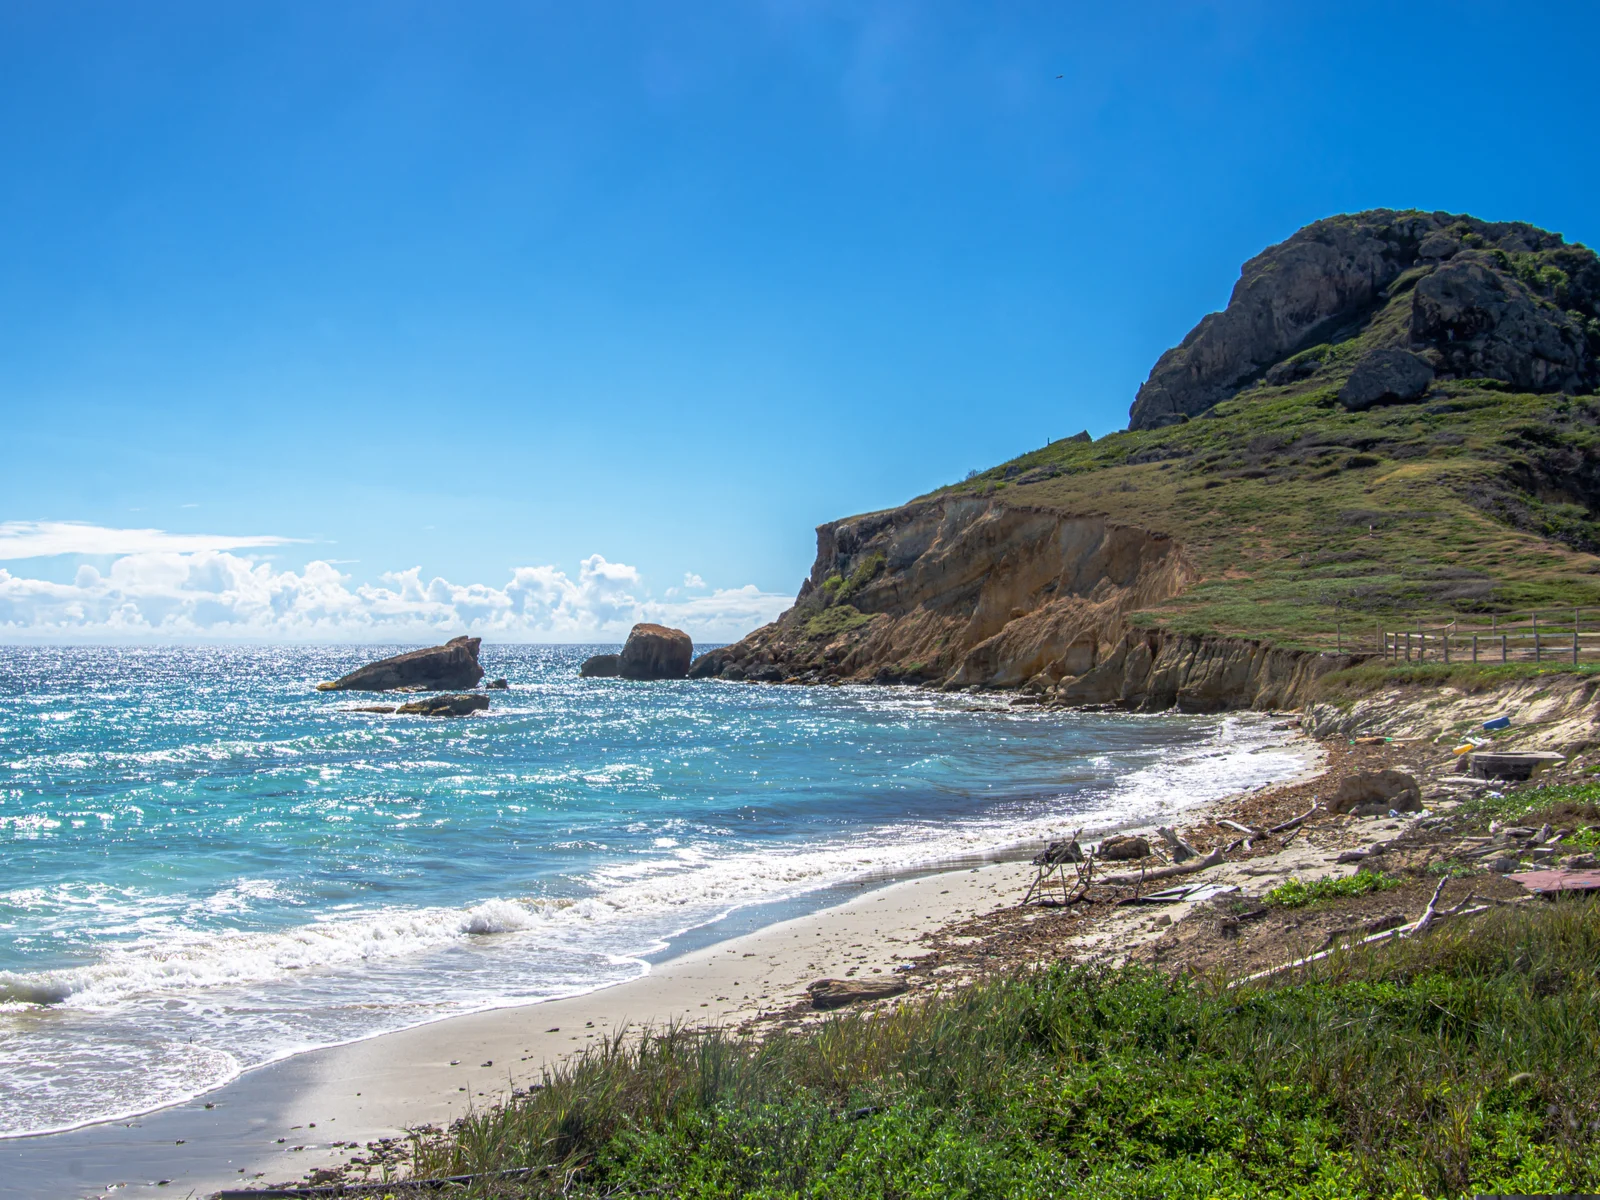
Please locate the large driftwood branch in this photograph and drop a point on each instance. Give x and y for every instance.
(1181, 850)
(1247, 830)
(1188, 868)
(1297, 822)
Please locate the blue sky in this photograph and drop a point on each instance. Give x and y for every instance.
(346, 291)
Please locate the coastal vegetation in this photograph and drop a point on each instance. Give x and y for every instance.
(1461, 1063)
(1302, 516)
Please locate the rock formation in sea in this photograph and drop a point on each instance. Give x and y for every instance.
(651, 652)
(656, 652)
(446, 706)
(437, 668)
(1477, 299)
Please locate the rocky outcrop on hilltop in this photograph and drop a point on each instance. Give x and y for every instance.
(1471, 298)
(960, 591)
(438, 668)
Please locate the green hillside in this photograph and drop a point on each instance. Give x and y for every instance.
(1477, 496)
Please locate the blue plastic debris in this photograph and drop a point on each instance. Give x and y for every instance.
(1497, 723)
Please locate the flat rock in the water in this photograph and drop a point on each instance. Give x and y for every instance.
(601, 666)
(446, 706)
(437, 668)
(836, 993)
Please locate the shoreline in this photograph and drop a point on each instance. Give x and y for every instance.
(317, 1109)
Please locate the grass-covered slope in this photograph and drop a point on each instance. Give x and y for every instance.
(1300, 514)
(1466, 1062)
(1476, 496)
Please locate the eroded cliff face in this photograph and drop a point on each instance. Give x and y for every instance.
(1152, 670)
(960, 591)
(963, 592)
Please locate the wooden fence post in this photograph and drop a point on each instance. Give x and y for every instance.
(1574, 637)
(1536, 657)
(1474, 647)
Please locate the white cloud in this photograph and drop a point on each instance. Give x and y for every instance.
(42, 539)
(208, 593)
(691, 580)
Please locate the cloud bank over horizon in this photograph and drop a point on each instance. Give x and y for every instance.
(192, 587)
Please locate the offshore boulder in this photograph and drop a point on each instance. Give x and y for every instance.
(656, 652)
(651, 652)
(448, 667)
(601, 666)
(446, 706)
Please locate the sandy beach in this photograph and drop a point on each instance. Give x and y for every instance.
(321, 1109)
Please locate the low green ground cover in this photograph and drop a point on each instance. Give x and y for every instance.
(1467, 1061)
(1294, 893)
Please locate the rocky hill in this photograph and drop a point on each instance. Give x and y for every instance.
(1394, 417)
(1450, 297)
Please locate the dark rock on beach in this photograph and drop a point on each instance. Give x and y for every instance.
(1374, 793)
(836, 993)
(438, 668)
(1124, 849)
(446, 706)
(497, 685)
(601, 666)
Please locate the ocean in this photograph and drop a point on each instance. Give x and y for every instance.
(207, 865)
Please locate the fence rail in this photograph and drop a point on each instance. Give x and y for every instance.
(1541, 637)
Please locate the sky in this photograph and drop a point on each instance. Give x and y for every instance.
(381, 321)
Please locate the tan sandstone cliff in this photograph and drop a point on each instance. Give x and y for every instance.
(962, 592)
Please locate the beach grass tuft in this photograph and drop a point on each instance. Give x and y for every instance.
(1463, 1062)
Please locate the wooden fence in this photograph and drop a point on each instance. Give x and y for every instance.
(1541, 637)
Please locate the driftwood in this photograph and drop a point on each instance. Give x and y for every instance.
(1247, 830)
(1180, 850)
(1188, 868)
(1410, 929)
(1428, 913)
(1053, 860)
(1285, 826)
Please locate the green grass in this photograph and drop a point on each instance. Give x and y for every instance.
(1467, 677)
(1467, 1061)
(1298, 515)
(1528, 799)
(1294, 893)
(831, 622)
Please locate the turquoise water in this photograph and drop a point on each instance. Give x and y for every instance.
(206, 865)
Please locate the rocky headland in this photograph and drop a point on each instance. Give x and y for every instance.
(1393, 419)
